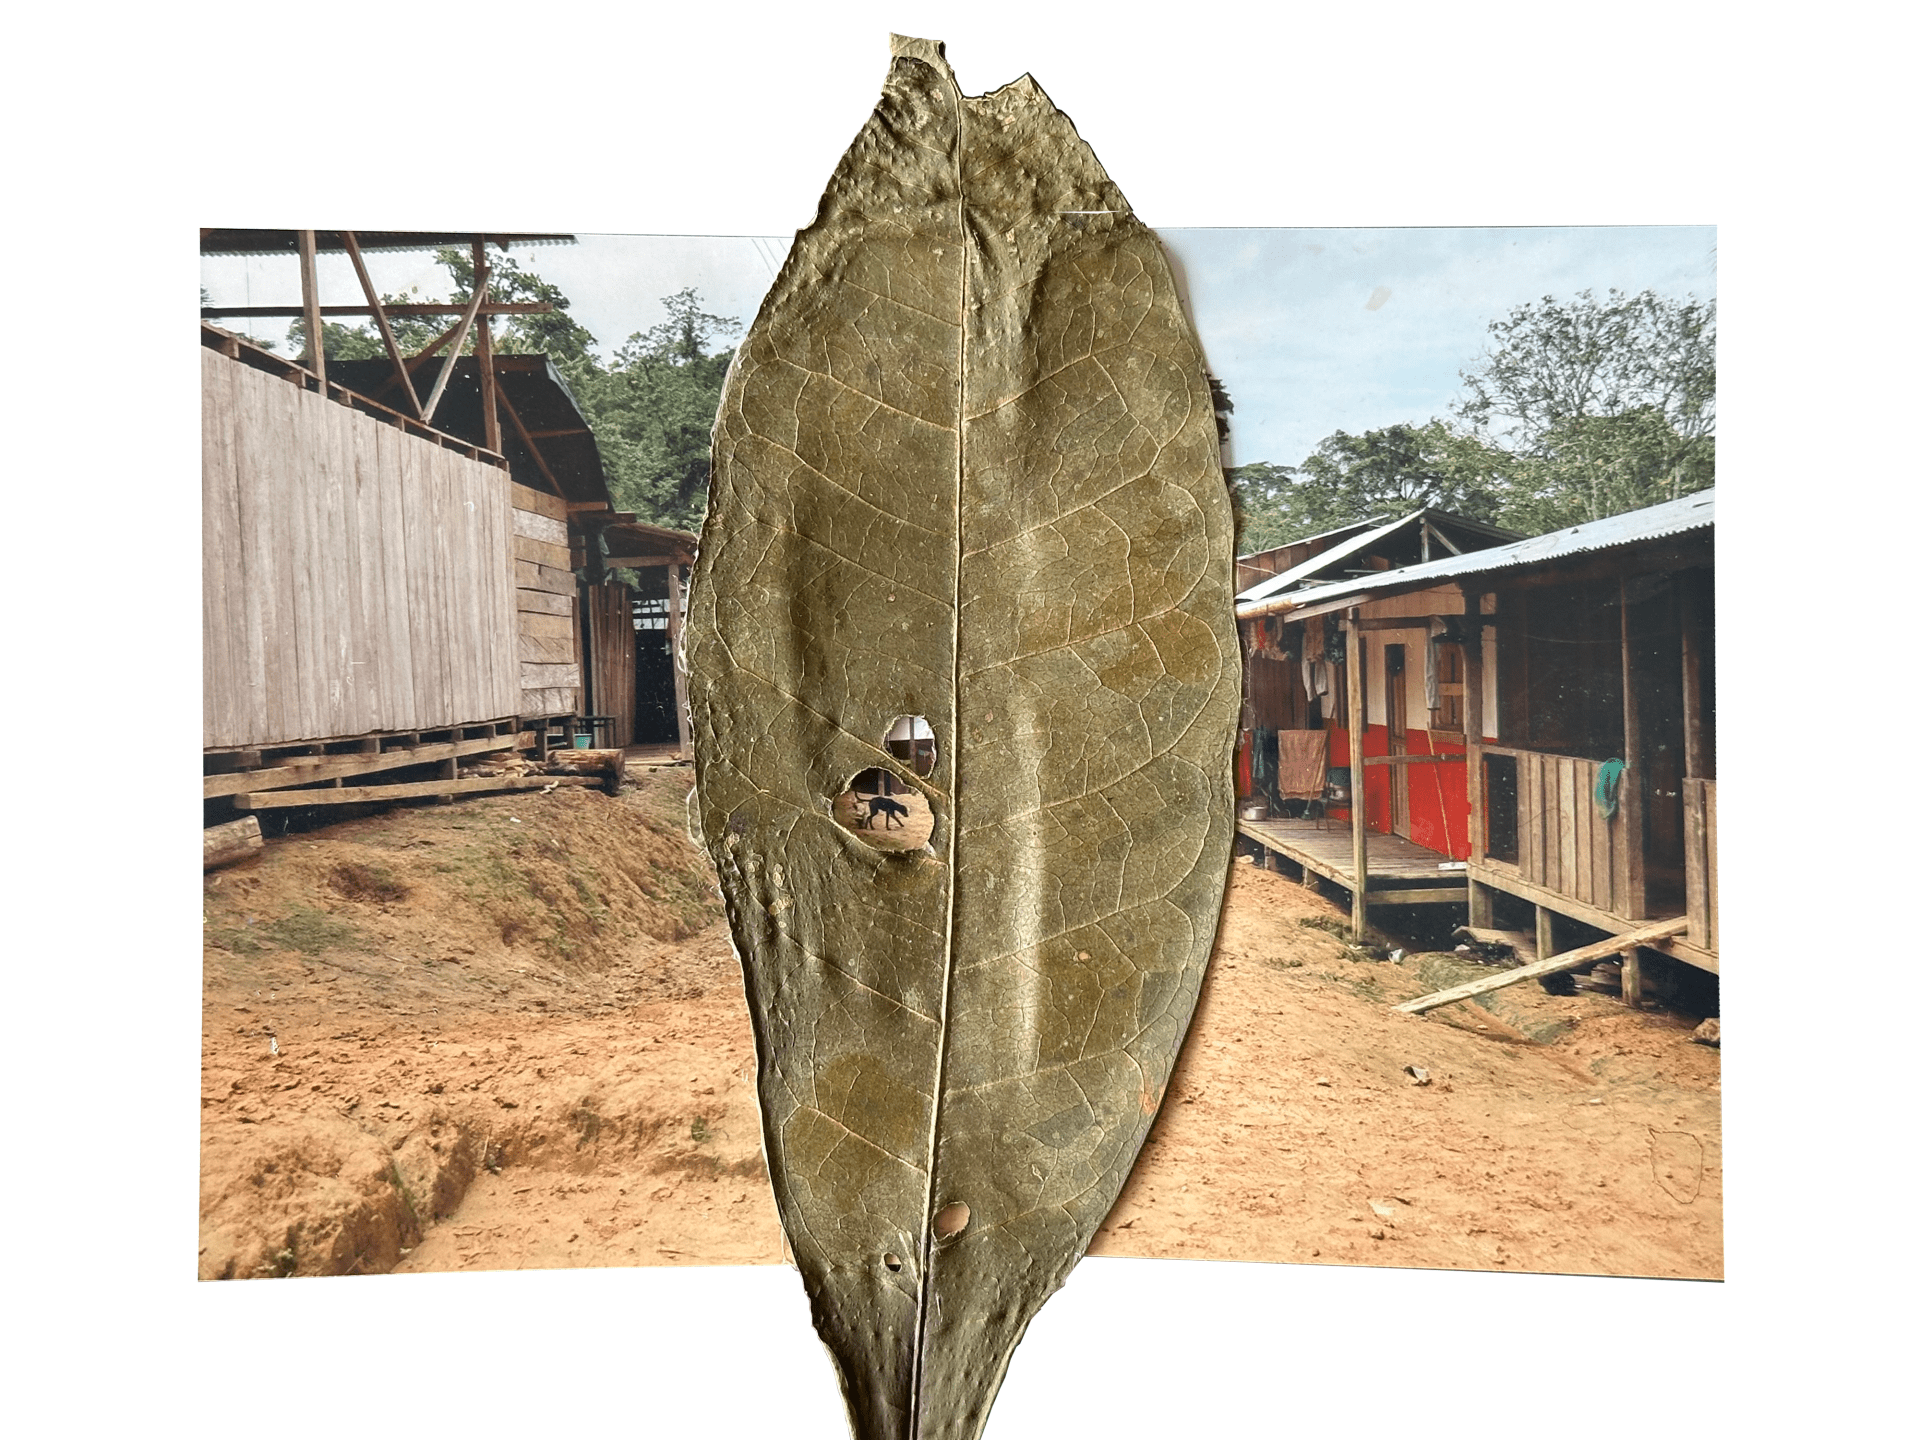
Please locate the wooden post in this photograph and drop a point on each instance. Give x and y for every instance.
(674, 597)
(1473, 722)
(1692, 719)
(394, 356)
(1630, 976)
(483, 351)
(1632, 815)
(1543, 943)
(310, 307)
(1356, 752)
(454, 346)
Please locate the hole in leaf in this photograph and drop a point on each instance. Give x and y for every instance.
(884, 810)
(910, 739)
(950, 1220)
(891, 1261)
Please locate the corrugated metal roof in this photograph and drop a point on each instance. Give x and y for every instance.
(1655, 522)
(1333, 554)
(1309, 539)
(217, 241)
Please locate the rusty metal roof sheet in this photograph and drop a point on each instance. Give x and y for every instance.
(1315, 565)
(1655, 522)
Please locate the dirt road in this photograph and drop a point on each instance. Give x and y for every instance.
(510, 1034)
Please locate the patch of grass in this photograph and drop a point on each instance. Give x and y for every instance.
(234, 939)
(356, 881)
(312, 932)
(701, 1134)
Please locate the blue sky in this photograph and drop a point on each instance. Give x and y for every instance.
(1311, 330)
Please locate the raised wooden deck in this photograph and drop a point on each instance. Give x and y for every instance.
(1399, 872)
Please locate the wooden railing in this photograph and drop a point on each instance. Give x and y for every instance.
(1703, 865)
(1565, 843)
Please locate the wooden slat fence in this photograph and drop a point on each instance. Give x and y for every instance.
(355, 578)
(1565, 843)
(1703, 864)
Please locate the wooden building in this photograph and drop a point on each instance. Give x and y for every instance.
(1294, 677)
(1582, 780)
(405, 561)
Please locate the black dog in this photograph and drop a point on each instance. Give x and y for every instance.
(881, 805)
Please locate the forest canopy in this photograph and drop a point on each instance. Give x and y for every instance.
(651, 405)
(1573, 411)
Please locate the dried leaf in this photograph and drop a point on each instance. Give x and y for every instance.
(965, 468)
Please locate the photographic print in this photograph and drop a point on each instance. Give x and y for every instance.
(525, 981)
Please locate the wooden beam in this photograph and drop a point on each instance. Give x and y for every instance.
(386, 331)
(675, 597)
(1473, 724)
(1692, 718)
(1543, 927)
(483, 350)
(1441, 536)
(1433, 895)
(292, 312)
(338, 767)
(235, 840)
(316, 357)
(555, 435)
(376, 794)
(638, 562)
(527, 440)
(1632, 816)
(1356, 760)
(1411, 759)
(453, 353)
(1572, 960)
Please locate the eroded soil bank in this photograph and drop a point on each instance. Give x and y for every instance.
(510, 1033)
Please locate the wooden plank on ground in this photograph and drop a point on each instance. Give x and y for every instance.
(235, 840)
(376, 794)
(1572, 959)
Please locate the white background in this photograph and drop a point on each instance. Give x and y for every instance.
(126, 128)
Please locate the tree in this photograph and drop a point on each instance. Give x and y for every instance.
(1605, 405)
(653, 410)
(1348, 478)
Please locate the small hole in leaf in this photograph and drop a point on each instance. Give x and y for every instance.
(891, 1261)
(910, 738)
(950, 1220)
(884, 810)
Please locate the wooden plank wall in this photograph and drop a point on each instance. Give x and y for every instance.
(1566, 844)
(610, 647)
(355, 578)
(1703, 864)
(549, 633)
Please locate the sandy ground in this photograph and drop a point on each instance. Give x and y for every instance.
(469, 1037)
